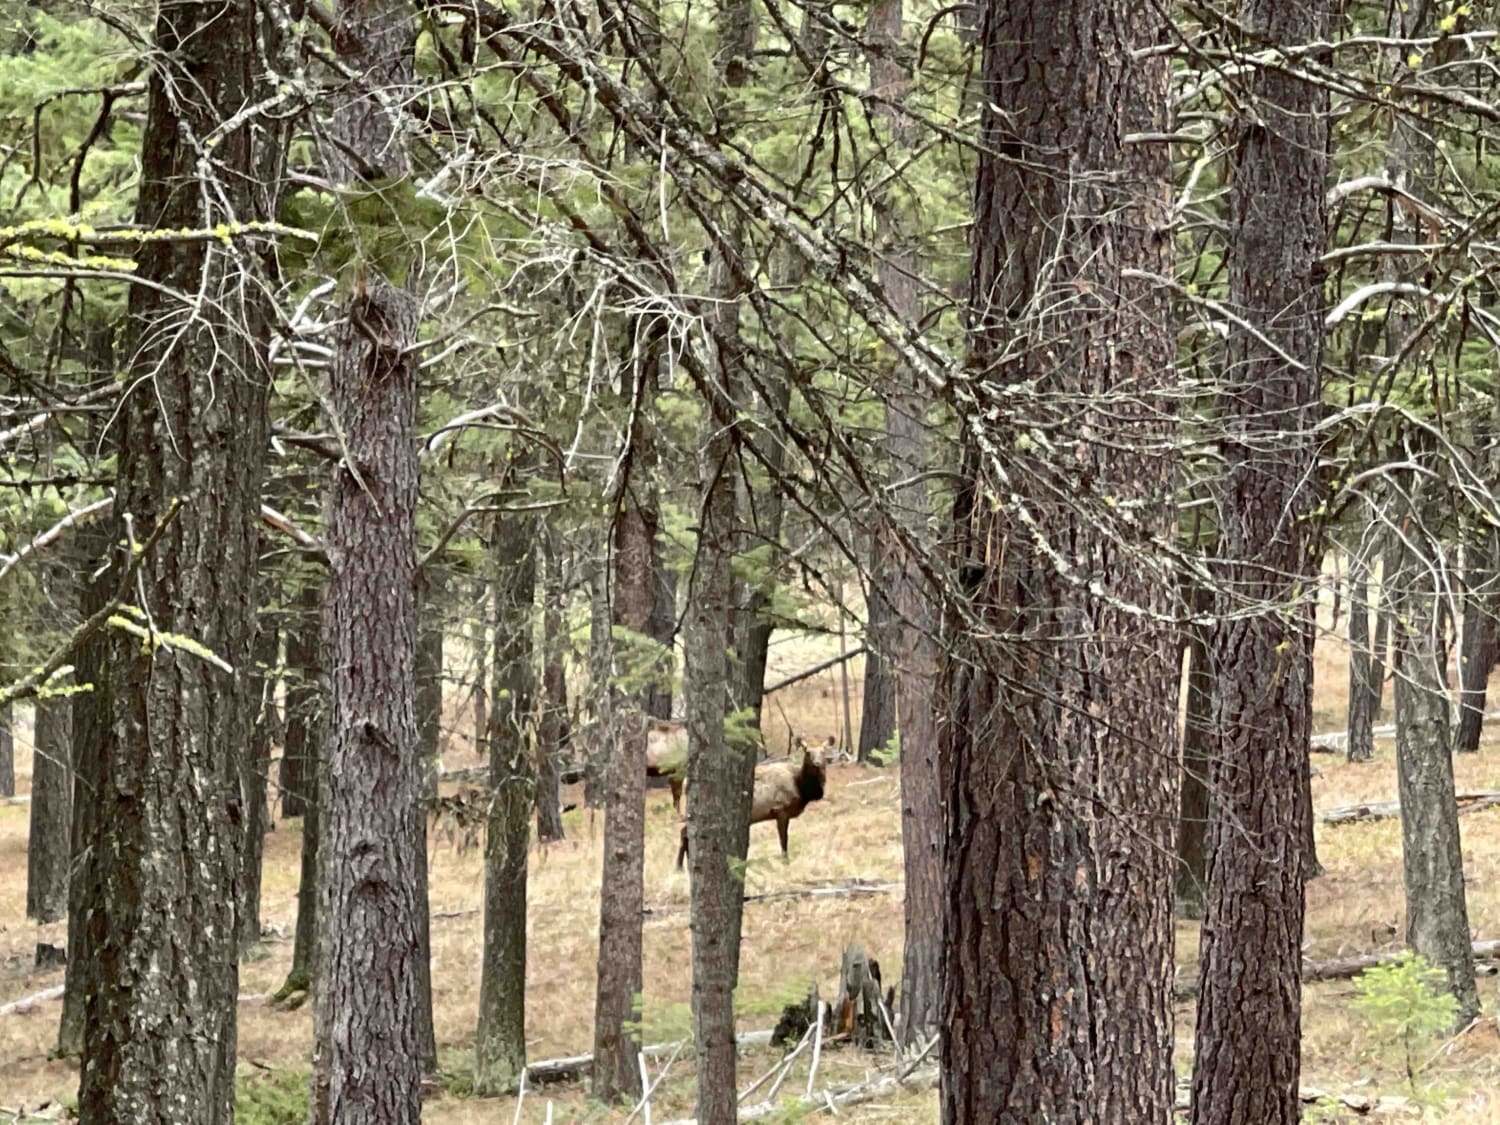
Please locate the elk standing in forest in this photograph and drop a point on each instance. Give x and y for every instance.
(666, 755)
(783, 790)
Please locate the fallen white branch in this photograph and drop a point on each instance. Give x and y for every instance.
(563, 1069)
(26, 1003)
(1388, 810)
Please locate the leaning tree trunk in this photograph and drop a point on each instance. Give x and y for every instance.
(1437, 917)
(1364, 699)
(500, 1043)
(1247, 1056)
(1481, 637)
(1058, 775)
(553, 712)
(368, 1041)
(162, 857)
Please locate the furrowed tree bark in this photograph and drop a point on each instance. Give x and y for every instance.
(1057, 757)
(553, 716)
(915, 621)
(877, 714)
(1247, 1054)
(368, 1031)
(162, 855)
(1197, 753)
(1363, 698)
(500, 1043)
(622, 897)
(430, 597)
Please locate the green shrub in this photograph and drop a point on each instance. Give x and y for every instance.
(1407, 1003)
(278, 1098)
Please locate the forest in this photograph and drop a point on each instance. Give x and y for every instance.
(469, 468)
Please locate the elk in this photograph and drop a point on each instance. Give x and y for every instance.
(666, 755)
(783, 790)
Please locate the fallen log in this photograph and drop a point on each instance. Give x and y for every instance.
(566, 1069)
(835, 1098)
(854, 889)
(26, 1003)
(1387, 810)
(1345, 968)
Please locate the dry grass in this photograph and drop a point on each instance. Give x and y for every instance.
(854, 832)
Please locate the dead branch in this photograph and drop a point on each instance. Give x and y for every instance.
(566, 1069)
(855, 888)
(1344, 968)
(1387, 810)
(814, 670)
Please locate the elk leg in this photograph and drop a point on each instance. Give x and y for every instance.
(677, 793)
(781, 823)
(682, 851)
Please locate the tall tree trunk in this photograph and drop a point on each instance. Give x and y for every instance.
(1481, 637)
(553, 716)
(305, 698)
(254, 770)
(877, 716)
(622, 896)
(163, 853)
(663, 629)
(1056, 759)
(1437, 918)
(49, 840)
(1197, 753)
(500, 1044)
(598, 746)
(1364, 699)
(430, 598)
(7, 751)
(914, 621)
(368, 1026)
(1247, 1056)
(720, 768)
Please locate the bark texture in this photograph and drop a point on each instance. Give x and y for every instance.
(305, 699)
(1057, 757)
(622, 897)
(877, 712)
(500, 1044)
(162, 853)
(368, 1032)
(1247, 1056)
(48, 842)
(1437, 917)
(254, 769)
(7, 751)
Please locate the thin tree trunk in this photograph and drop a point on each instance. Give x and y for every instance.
(877, 716)
(255, 768)
(598, 745)
(500, 1044)
(1247, 1055)
(616, 1071)
(1364, 699)
(1437, 918)
(7, 751)
(554, 703)
(480, 640)
(1481, 637)
(48, 844)
(369, 1011)
(911, 634)
(162, 857)
(304, 702)
(663, 629)
(1197, 753)
(1056, 760)
(430, 597)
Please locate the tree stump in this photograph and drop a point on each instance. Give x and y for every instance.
(860, 1011)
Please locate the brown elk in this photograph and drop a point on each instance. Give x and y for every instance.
(666, 755)
(782, 790)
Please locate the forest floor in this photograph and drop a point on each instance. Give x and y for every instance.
(853, 834)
